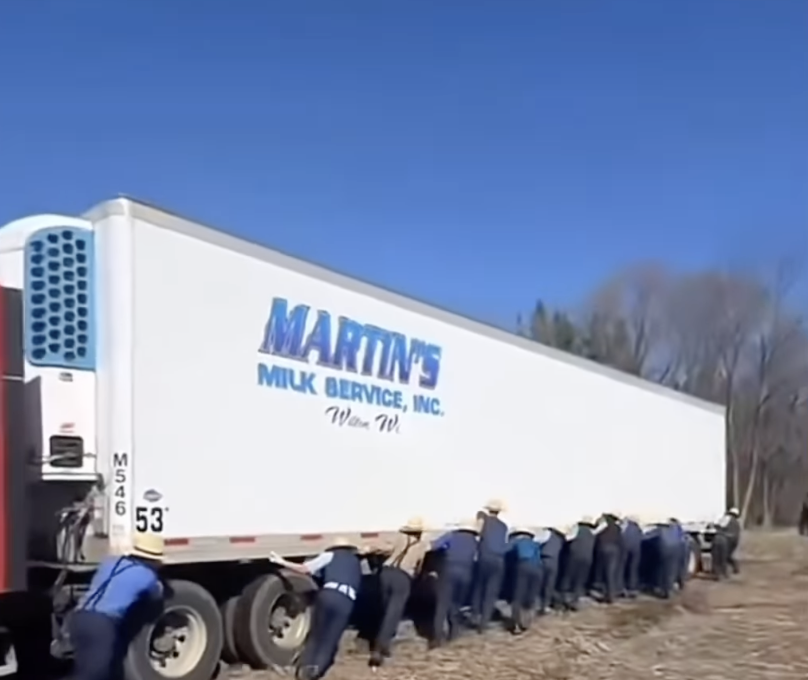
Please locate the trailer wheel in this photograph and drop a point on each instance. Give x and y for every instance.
(227, 609)
(272, 620)
(182, 642)
(694, 561)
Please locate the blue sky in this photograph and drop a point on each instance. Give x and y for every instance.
(474, 154)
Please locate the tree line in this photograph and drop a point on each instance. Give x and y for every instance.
(737, 338)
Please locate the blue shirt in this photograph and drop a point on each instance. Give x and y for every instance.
(117, 584)
(460, 547)
(525, 548)
(442, 542)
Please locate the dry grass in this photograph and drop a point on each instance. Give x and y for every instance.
(754, 627)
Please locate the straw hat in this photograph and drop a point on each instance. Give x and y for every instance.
(542, 535)
(734, 512)
(148, 547)
(631, 517)
(587, 519)
(468, 525)
(494, 505)
(414, 525)
(569, 530)
(523, 530)
(342, 542)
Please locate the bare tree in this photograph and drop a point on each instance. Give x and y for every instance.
(780, 383)
(622, 319)
(711, 321)
(553, 328)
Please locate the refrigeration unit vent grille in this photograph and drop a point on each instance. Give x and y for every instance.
(59, 298)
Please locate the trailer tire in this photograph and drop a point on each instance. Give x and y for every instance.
(230, 653)
(263, 608)
(694, 564)
(200, 645)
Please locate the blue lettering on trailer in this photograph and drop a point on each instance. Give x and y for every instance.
(319, 340)
(349, 345)
(287, 379)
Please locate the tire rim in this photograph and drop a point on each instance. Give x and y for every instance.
(185, 635)
(692, 561)
(288, 632)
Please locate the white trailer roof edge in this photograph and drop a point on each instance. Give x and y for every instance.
(125, 205)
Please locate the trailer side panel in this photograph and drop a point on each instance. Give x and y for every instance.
(236, 434)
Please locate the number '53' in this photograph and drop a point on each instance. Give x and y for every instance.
(149, 520)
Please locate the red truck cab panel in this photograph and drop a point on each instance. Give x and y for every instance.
(13, 524)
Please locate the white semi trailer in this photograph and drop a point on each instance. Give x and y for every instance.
(162, 376)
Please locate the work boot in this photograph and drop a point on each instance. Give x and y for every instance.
(307, 673)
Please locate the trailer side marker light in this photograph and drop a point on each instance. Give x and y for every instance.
(242, 539)
(177, 541)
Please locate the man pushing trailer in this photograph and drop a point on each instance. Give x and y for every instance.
(527, 576)
(490, 570)
(341, 572)
(725, 540)
(608, 555)
(405, 558)
(577, 567)
(96, 626)
(629, 572)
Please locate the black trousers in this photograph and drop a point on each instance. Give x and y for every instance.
(732, 546)
(718, 557)
(629, 573)
(395, 591)
(549, 583)
(608, 561)
(331, 616)
(527, 581)
(576, 577)
(487, 584)
(452, 590)
(668, 568)
(94, 637)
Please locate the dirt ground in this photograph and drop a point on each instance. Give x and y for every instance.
(755, 626)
